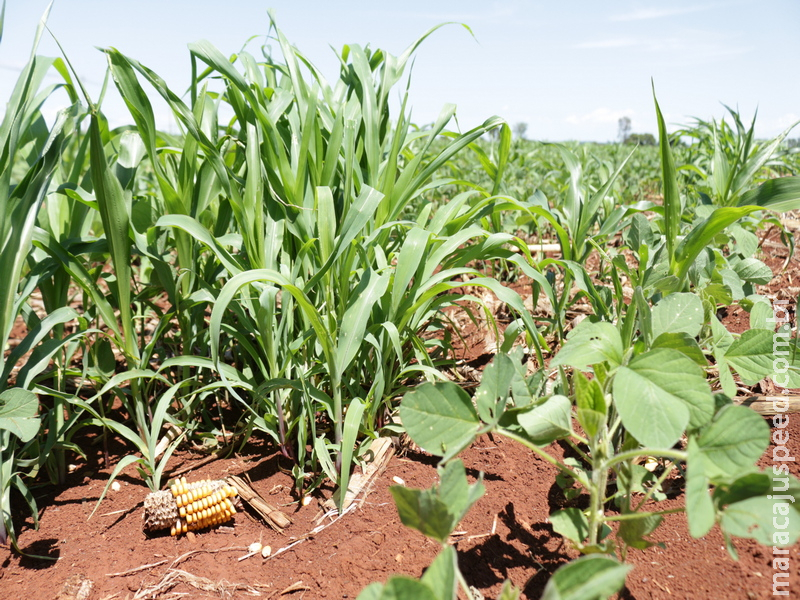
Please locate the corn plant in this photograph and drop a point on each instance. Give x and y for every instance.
(671, 264)
(30, 156)
(327, 290)
(729, 161)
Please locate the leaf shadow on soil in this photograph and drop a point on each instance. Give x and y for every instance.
(429, 460)
(489, 562)
(47, 547)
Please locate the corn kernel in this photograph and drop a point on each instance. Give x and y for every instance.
(182, 512)
(183, 482)
(172, 531)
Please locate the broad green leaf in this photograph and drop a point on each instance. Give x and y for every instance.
(441, 576)
(752, 355)
(398, 588)
(589, 344)
(759, 518)
(733, 442)
(18, 409)
(753, 270)
(492, 394)
(634, 531)
(683, 343)
(372, 592)
(661, 393)
(699, 506)
(439, 417)
(640, 232)
(592, 577)
(424, 511)
(590, 402)
(455, 490)
(570, 523)
(761, 314)
(746, 241)
(678, 313)
(547, 422)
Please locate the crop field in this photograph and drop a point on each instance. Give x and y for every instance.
(326, 352)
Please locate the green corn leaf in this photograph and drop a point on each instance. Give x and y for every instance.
(114, 214)
(352, 422)
(669, 182)
(354, 322)
(781, 194)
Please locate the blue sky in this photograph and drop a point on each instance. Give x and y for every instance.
(569, 70)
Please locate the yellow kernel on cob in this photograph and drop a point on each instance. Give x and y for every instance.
(182, 512)
(185, 528)
(172, 531)
(189, 518)
(183, 482)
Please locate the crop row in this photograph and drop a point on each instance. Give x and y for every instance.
(293, 265)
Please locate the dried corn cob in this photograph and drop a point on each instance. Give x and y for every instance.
(189, 506)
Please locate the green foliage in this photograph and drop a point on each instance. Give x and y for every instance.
(640, 403)
(436, 512)
(641, 139)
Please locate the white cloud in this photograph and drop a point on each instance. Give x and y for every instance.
(599, 116)
(609, 43)
(642, 14)
(691, 44)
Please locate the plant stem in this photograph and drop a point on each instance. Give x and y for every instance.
(597, 490)
(642, 515)
(676, 455)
